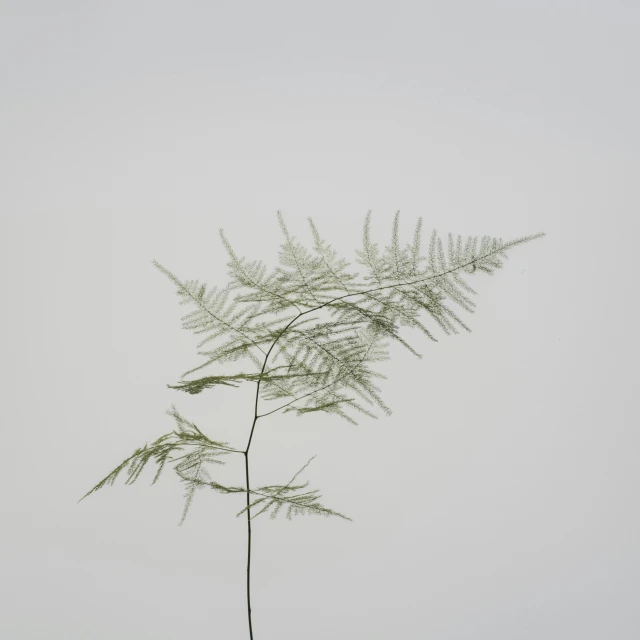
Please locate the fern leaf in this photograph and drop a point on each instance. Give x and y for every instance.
(278, 496)
(190, 466)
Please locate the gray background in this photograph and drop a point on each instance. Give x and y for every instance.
(499, 501)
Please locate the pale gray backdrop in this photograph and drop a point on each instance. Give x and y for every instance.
(499, 501)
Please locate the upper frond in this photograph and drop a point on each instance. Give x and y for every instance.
(212, 314)
(311, 280)
(253, 276)
(332, 357)
(328, 364)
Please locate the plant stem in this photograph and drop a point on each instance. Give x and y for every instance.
(246, 466)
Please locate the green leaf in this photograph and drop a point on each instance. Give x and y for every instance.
(278, 496)
(190, 466)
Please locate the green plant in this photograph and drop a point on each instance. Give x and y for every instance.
(318, 364)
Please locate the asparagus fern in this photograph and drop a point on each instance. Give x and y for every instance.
(313, 332)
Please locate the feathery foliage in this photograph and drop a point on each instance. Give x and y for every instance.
(318, 364)
(313, 332)
(190, 467)
(298, 504)
(327, 363)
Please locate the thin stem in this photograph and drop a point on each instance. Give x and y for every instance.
(246, 466)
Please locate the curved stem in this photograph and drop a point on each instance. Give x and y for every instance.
(246, 466)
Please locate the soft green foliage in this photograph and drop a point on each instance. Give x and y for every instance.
(300, 504)
(315, 363)
(190, 468)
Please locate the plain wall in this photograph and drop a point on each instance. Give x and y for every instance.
(499, 501)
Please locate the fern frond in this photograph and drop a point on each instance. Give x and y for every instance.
(395, 291)
(165, 449)
(252, 276)
(339, 362)
(334, 267)
(279, 496)
(369, 254)
(323, 358)
(212, 314)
